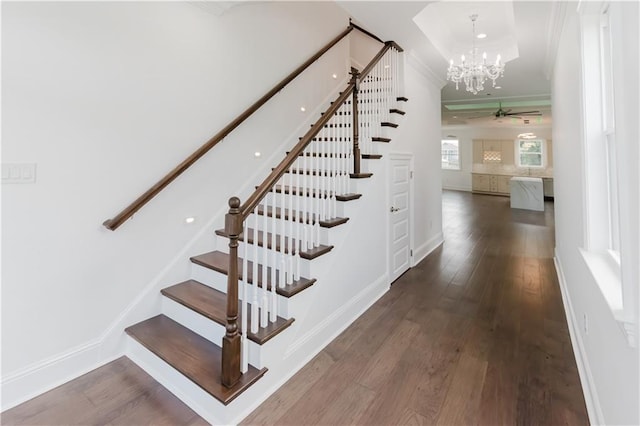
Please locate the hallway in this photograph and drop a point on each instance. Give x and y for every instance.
(475, 334)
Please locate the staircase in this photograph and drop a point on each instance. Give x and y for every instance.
(219, 329)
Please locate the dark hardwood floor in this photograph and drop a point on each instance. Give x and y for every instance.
(475, 334)
(119, 393)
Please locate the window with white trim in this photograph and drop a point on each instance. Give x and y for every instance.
(608, 135)
(450, 154)
(601, 43)
(530, 152)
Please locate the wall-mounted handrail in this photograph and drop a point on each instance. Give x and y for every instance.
(128, 211)
(238, 213)
(115, 222)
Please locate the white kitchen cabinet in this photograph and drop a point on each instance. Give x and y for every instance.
(504, 184)
(481, 183)
(491, 184)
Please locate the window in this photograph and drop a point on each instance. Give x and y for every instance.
(609, 133)
(604, 145)
(450, 154)
(530, 152)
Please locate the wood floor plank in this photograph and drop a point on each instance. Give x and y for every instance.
(351, 405)
(117, 393)
(377, 372)
(462, 399)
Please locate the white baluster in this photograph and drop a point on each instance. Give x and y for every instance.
(255, 303)
(294, 242)
(244, 312)
(283, 224)
(289, 266)
(273, 307)
(317, 178)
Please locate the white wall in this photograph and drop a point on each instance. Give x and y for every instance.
(607, 363)
(106, 98)
(461, 179)
(419, 134)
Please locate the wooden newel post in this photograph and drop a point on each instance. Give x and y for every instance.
(356, 128)
(231, 341)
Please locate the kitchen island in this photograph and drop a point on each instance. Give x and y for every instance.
(527, 193)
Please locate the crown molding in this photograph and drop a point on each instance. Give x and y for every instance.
(556, 24)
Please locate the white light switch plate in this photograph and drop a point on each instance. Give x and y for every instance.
(19, 173)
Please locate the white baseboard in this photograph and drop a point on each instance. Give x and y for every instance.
(594, 410)
(50, 373)
(420, 253)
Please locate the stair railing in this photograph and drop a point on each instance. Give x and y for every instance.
(115, 222)
(287, 208)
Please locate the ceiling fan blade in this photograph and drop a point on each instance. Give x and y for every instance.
(479, 116)
(525, 112)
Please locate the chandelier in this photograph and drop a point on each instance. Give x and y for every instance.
(473, 73)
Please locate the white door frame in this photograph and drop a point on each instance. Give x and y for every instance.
(400, 156)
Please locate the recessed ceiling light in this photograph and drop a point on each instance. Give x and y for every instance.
(257, 154)
(334, 76)
(498, 87)
(482, 35)
(303, 109)
(189, 220)
(455, 116)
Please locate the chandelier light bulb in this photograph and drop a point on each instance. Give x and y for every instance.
(473, 73)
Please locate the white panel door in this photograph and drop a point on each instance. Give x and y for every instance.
(400, 216)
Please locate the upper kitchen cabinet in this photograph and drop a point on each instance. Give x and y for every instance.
(477, 151)
(508, 158)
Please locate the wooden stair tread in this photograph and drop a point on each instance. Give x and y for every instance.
(218, 261)
(212, 304)
(360, 175)
(380, 139)
(397, 111)
(402, 99)
(388, 124)
(371, 156)
(295, 191)
(329, 223)
(289, 243)
(192, 355)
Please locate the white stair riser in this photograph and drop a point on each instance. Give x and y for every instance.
(218, 281)
(205, 327)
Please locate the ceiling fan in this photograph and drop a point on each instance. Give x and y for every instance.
(501, 113)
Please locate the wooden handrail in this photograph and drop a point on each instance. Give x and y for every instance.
(128, 211)
(247, 207)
